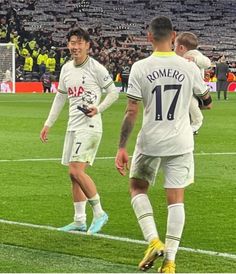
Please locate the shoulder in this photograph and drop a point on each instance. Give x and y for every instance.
(143, 61)
(67, 65)
(185, 63)
(189, 67)
(95, 67)
(139, 65)
(94, 63)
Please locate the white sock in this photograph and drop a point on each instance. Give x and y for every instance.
(175, 225)
(96, 206)
(80, 213)
(144, 213)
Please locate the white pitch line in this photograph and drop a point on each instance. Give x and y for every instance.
(30, 160)
(106, 157)
(123, 239)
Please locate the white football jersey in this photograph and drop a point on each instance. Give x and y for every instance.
(165, 83)
(83, 84)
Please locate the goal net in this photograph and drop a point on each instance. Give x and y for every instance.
(7, 68)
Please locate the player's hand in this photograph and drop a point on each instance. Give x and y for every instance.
(92, 111)
(122, 161)
(44, 134)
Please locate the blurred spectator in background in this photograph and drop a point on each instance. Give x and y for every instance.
(51, 62)
(231, 77)
(47, 80)
(3, 30)
(222, 70)
(35, 53)
(19, 73)
(42, 68)
(28, 65)
(42, 58)
(125, 72)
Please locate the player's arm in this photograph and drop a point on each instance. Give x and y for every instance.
(58, 103)
(131, 113)
(205, 101)
(111, 97)
(200, 89)
(128, 121)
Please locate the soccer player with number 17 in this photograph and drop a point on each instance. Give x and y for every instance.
(164, 82)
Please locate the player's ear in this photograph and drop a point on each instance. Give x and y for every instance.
(149, 37)
(88, 45)
(173, 36)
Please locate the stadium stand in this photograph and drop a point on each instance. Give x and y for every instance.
(117, 27)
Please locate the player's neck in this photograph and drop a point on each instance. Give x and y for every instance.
(162, 47)
(80, 61)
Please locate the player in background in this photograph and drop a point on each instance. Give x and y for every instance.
(164, 82)
(81, 81)
(186, 45)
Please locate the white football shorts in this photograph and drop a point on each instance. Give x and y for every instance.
(178, 170)
(80, 146)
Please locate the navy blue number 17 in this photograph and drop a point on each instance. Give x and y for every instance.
(158, 91)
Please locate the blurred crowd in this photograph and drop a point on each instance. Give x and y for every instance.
(37, 53)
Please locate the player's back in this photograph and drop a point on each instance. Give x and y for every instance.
(165, 83)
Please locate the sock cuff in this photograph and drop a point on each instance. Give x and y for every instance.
(95, 197)
(79, 203)
(137, 197)
(94, 200)
(174, 205)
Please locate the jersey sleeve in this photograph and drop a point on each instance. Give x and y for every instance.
(61, 85)
(134, 88)
(58, 103)
(104, 78)
(200, 88)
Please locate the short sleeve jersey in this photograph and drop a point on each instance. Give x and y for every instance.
(165, 83)
(83, 84)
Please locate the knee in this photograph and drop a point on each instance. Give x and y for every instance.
(76, 175)
(138, 187)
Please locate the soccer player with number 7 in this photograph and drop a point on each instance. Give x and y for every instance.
(164, 82)
(82, 81)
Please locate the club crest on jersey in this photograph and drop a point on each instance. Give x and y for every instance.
(106, 78)
(75, 92)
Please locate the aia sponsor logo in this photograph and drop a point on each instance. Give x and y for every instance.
(75, 91)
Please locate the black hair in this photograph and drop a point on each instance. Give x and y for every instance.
(79, 32)
(161, 28)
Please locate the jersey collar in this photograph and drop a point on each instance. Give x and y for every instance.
(82, 64)
(163, 53)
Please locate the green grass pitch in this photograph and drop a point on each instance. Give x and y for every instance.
(35, 189)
